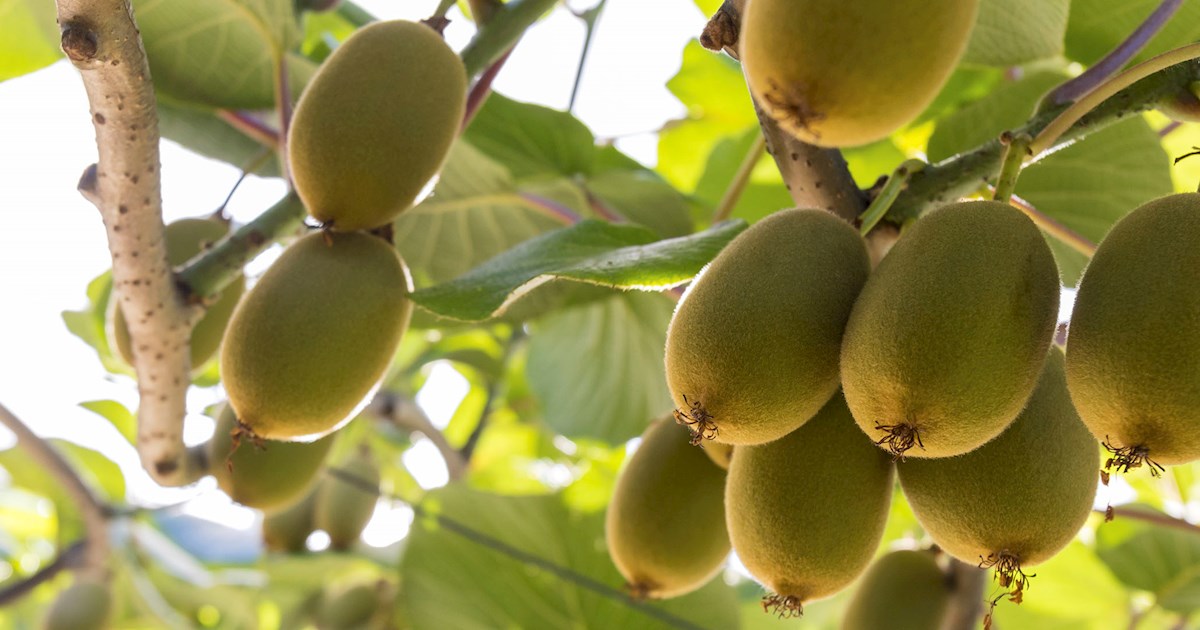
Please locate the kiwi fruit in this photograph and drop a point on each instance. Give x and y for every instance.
(185, 239)
(263, 474)
(720, 454)
(286, 530)
(343, 508)
(806, 512)
(347, 607)
(1133, 347)
(947, 339)
(840, 74)
(665, 525)
(902, 590)
(309, 342)
(84, 605)
(1019, 499)
(375, 124)
(752, 349)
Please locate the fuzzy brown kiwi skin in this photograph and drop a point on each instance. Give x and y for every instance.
(806, 512)
(903, 590)
(665, 525)
(1019, 499)
(286, 530)
(85, 605)
(344, 508)
(948, 336)
(263, 474)
(1133, 348)
(375, 124)
(752, 349)
(310, 341)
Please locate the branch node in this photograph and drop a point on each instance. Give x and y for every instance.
(79, 41)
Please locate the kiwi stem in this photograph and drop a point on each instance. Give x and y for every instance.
(251, 127)
(1058, 231)
(1072, 114)
(488, 541)
(404, 412)
(443, 8)
(589, 18)
(1015, 152)
(721, 32)
(206, 275)
(283, 108)
(501, 32)
(737, 185)
(1154, 518)
(354, 14)
(95, 561)
(102, 41)
(66, 559)
(968, 584)
(962, 174)
(1119, 56)
(887, 195)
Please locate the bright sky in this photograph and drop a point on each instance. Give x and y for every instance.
(52, 241)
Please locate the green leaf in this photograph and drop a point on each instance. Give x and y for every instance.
(598, 369)
(764, 193)
(122, 419)
(28, 37)
(1071, 590)
(1004, 108)
(198, 128)
(712, 89)
(1012, 32)
(620, 256)
(89, 323)
(442, 569)
(1091, 184)
(641, 196)
(1097, 26)
(474, 214)
(99, 472)
(1152, 557)
(532, 140)
(220, 53)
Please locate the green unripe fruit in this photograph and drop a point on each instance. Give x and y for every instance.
(752, 349)
(269, 475)
(948, 337)
(315, 335)
(846, 73)
(344, 508)
(375, 124)
(806, 512)
(903, 590)
(287, 530)
(185, 239)
(85, 605)
(720, 454)
(1019, 499)
(1133, 350)
(347, 607)
(665, 526)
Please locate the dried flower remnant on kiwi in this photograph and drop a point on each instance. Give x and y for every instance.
(697, 420)
(1009, 576)
(899, 439)
(783, 606)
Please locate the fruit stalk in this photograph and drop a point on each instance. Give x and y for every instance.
(1119, 56)
(961, 175)
(95, 561)
(502, 31)
(102, 41)
(205, 276)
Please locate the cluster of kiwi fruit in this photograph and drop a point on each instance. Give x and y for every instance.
(817, 382)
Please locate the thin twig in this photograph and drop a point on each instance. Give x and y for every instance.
(251, 126)
(501, 32)
(1155, 518)
(102, 41)
(1100, 71)
(1016, 150)
(95, 519)
(589, 18)
(405, 413)
(566, 574)
(482, 88)
(67, 559)
(741, 178)
(493, 393)
(1054, 228)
